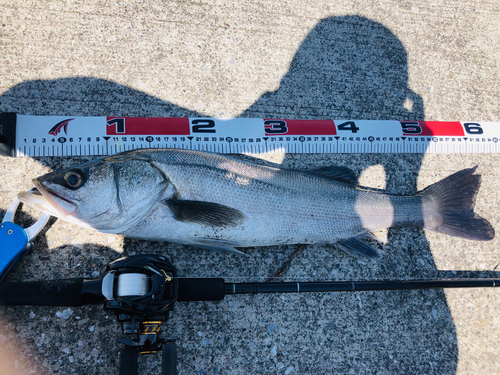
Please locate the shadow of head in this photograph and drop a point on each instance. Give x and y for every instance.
(347, 67)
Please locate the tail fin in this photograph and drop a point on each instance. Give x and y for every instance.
(448, 207)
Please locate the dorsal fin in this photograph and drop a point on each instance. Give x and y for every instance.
(337, 173)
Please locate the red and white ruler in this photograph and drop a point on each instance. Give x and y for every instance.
(23, 135)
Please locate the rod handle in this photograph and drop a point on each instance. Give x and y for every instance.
(201, 289)
(64, 292)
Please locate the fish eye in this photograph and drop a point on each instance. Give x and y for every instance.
(75, 178)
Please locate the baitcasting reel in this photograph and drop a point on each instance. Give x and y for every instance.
(141, 291)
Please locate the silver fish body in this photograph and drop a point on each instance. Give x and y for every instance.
(222, 202)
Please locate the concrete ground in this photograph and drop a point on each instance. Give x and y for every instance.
(429, 60)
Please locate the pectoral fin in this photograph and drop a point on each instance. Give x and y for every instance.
(358, 248)
(205, 213)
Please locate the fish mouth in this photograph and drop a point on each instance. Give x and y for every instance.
(46, 199)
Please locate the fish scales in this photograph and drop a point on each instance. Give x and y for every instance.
(281, 206)
(275, 201)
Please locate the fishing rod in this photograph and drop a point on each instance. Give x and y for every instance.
(141, 291)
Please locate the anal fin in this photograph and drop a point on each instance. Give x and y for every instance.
(358, 248)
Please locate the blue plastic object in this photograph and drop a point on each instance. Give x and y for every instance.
(15, 241)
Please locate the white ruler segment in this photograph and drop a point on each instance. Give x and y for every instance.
(73, 136)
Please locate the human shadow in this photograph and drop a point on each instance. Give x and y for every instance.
(348, 67)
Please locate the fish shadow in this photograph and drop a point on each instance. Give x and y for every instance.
(347, 67)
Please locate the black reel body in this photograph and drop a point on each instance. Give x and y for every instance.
(141, 291)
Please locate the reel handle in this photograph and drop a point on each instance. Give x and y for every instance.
(169, 358)
(128, 361)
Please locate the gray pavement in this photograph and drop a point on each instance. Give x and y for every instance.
(292, 59)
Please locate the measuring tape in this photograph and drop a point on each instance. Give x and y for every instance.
(23, 135)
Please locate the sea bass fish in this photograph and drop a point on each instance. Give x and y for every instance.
(221, 202)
